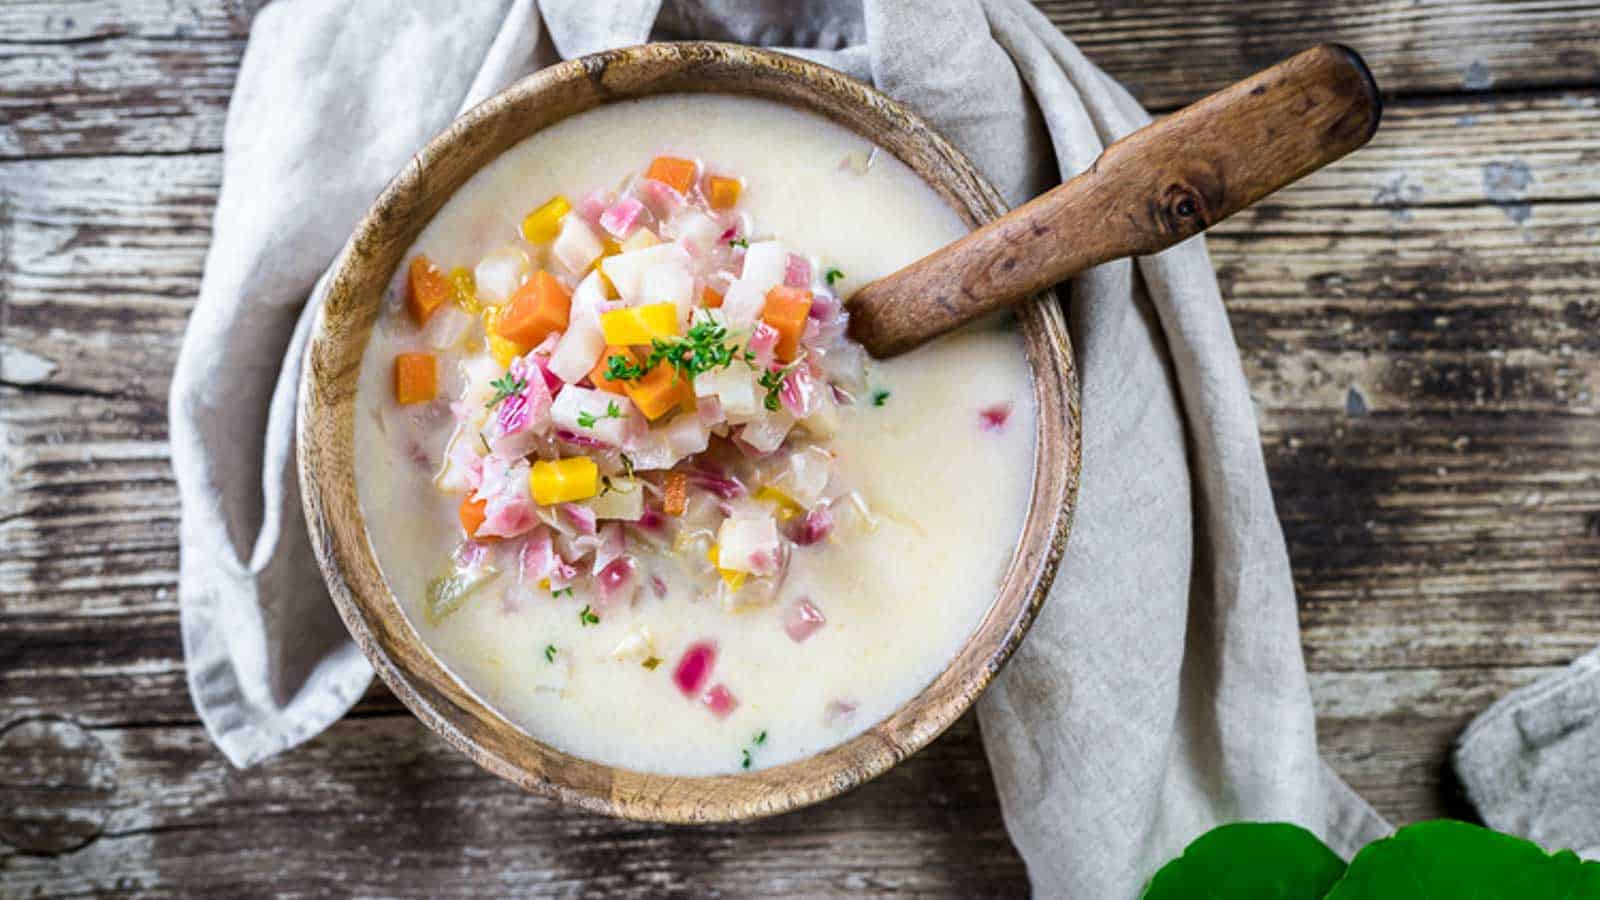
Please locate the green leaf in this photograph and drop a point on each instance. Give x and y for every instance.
(1448, 859)
(1249, 861)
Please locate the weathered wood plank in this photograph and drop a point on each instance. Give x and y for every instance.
(334, 815)
(1171, 51)
(138, 76)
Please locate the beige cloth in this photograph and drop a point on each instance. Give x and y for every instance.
(1161, 691)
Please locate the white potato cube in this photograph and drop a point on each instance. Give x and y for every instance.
(742, 304)
(637, 645)
(766, 433)
(500, 272)
(734, 387)
(576, 246)
(764, 265)
(626, 270)
(624, 500)
(587, 412)
(748, 545)
(583, 342)
(669, 282)
(698, 229)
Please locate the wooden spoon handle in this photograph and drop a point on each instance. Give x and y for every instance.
(1150, 190)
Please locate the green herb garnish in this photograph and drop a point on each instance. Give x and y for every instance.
(587, 617)
(879, 397)
(550, 653)
(761, 738)
(485, 442)
(739, 242)
(832, 276)
(587, 419)
(563, 591)
(772, 380)
(505, 386)
(745, 764)
(627, 464)
(651, 663)
(702, 349)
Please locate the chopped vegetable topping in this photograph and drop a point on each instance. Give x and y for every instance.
(537, 310)
(429, 289)
(739, 242)
(832, 276)
(640, 324)
(761, 738)
(695, 667)
(472, 514)
(563, 480)
(416, 378)
(673, 172)
(587, 419)
(543, 224)
(675, 494)
(722, 193)
(586, 617)
(651, 663)
(446, 594)
(562, 592)
(993, 418)
(550, 653)
(879, 397)
(505, 386)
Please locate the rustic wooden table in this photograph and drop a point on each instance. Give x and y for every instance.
(1420, 324)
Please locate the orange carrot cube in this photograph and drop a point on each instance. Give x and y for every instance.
(416, 378)
(538, 309)
(430, 288)
(660, 391)
(675, 494)
(710, 298)
(597, 375)
(669, 170)
(472, 513)
(722, 192)
(786, 312)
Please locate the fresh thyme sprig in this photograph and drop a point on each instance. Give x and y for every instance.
(587, 419)
(505, 386)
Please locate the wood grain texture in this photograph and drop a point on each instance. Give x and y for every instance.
(1418, 327)
(1160, 185)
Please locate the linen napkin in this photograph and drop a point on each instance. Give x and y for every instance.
(1528, 761)
(1162, 690)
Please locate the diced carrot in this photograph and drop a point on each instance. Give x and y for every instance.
(722, 192)
(538, 309)
(660, 391)
(472, 513)
(669, 170)
(709, 298)
(675, 494)
(430, 289)
(416, 378)
(786, 312)
(597, 375)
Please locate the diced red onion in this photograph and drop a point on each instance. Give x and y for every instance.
(612, 544)
(729, 234)
(695, 667)
(538, 556)
(799, 391)
(580, 517)
(797, 271)
(471, 554)
(993, 418)
(507, 516)
(650, 520)
(802, 619)
(709, 410)
(593, 205)
(581, 440)
(621, 217)
(659, 196)
(814, 526)
(716, 481)
(561, 575)
(823, 307)
(659, 586)
(720, 701)
(763, 342)
(616, 582)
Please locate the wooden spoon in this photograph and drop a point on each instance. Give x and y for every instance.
(1163, 183)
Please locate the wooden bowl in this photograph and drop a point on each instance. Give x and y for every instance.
(327, 414)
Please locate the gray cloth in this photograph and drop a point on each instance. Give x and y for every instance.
(1162, 690)
(1528, 761)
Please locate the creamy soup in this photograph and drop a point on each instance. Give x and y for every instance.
(631, 481)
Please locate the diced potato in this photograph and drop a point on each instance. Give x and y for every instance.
(582, 343)
(588, 412)
(637, 645)
(643, 239)
(623, 501)
(626, 271)
(766, 433)
(698, 229)
(576, 246)
(734, 387)
(764, 265)
(669, 282)
(500, 272)
(748, 545)
(743, 302)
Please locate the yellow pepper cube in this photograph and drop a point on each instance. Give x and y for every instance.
(466, 287)
(640, 324)
(503, 350)
(564, 480)
(733, 579)
(642, 239)
(543, 224)
(786, 507)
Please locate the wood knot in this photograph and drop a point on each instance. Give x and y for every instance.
(1189, 207)
(56, 785)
